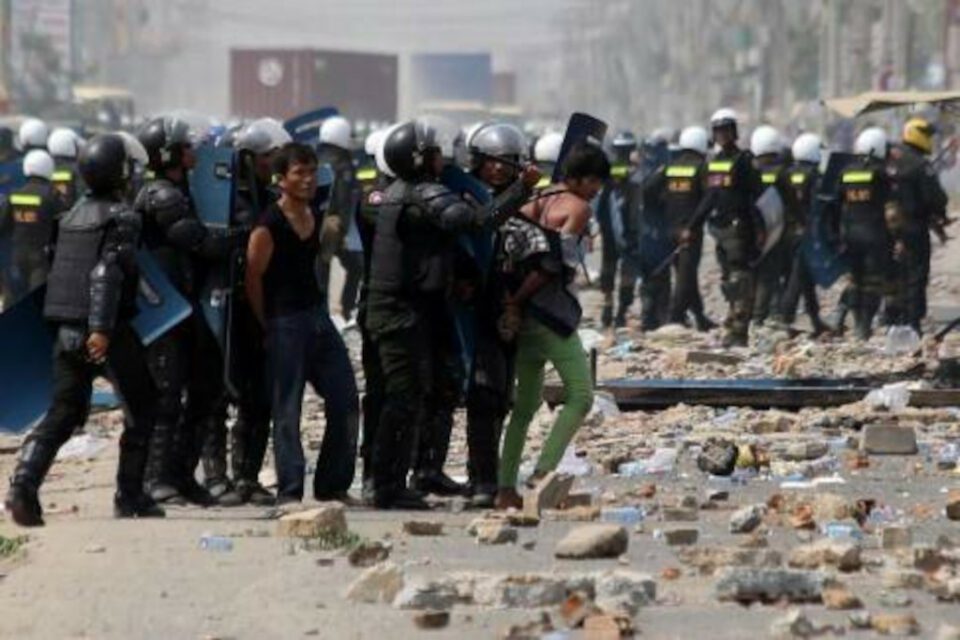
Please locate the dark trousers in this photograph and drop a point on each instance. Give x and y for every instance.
(187, 367)
(352, 262)
(771, 278)
(871, 271)
(305, 347)
(251, 431)
(420, 395)
(73, 377)
(799, 283)
(488, 402)
(372, 397)
(686, 289)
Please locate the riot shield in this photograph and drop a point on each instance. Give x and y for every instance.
(771, 209)
(160, 307)
(580, 128)
(305, 127)
(11, 176)
(820, 242)
(26, 374)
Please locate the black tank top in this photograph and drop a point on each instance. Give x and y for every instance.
(290, 283)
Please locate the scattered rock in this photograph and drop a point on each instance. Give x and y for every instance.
(624, 591)
(496, 532)
(830, 506)
(549, 493)
(902, 579)
(423, 593)
(575, 609)
(432, 619)
(313, 522)
(577, 500)
(576, 514)
(859, 620)
(801, 451)
(896, 537)
(706, 560)
(593, 541)
(607, 627)
(895, 624)
(718, 458)
(889, 439)
(368, 553)
(747, 519)
(953, 504)
(679, 514)
(845, 556)
(840, 598)
(795, 624)
(711, 357)
(681, 537)
(769, 585)
(524, 591)
(423, 528)
(379, 583)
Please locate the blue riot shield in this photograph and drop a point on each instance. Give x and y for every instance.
(305, 127)
(160, 307)
(11, 176)
(26, 374)
(820, 242)
(477, 247)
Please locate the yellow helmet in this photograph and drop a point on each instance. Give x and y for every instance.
(918, 132)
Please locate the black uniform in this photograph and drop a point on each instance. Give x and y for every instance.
(617, 216)
(188, 357)
(92, 288)
(865, 190)
(773, 270)
(67, 181)
(805, 185)
(677, 190)
(407, 312)
(29, 217)
(343, 203)
(733, 186)
(921, 204)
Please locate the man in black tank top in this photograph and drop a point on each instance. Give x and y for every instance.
(302, 343)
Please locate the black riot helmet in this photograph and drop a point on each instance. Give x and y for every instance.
(103, 164)
(165, 139)
(409, 148)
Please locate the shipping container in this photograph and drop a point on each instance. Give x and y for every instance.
(443, 77)
(286, 82)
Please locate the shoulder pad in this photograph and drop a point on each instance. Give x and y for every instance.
(162, 200)
(436, 195)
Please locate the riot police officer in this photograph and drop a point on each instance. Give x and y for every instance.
(618, 232)
(90, 300)
(498, 151)
(921, 206)
(64, 145)
(804, 177)
(772, 270)
(29, 217)
(733, 186)
(677, 189)
(865, 190)
(335, 150)
(187, 358)
(407, 305)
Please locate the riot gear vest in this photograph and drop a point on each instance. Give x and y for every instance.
(804, 180)
(683, 188)
(33, 212)
(410, 258)
(864, 192)
(734, 186)
(65, 181)
(93, 270)
(915, 189)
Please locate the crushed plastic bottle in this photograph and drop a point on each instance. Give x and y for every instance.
(893, 397)
(882, 515)
(901, 340)
(621, 350)
(662, 461)
(573, 465)
(82, 447)
(605, 404)
(626, 516)
(842, 531)
(210, 542)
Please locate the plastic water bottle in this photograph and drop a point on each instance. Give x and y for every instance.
(210, 542)
(947, 456)
(626, 516)
(842, 531)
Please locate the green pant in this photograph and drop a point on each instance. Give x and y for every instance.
(537, 345)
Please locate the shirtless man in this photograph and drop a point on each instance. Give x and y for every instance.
(539, 255)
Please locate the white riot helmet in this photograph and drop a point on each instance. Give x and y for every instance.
(499, 140)
(262, 136)
(336, 131)
(548, 146)
(807, 148)
(38, 164)
(723, 118)
(871, 142)
(373, 142)
(765, 141)
(694, 139)
(381, 159)
(136, 152)
(63, 143)
(33, 134)
(472, 130)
